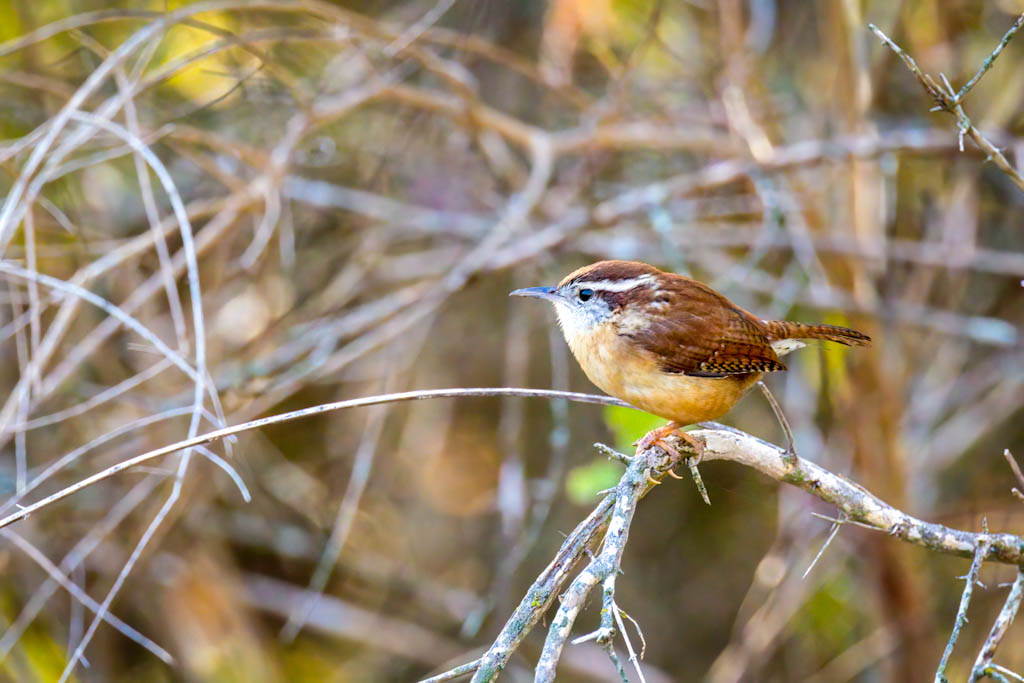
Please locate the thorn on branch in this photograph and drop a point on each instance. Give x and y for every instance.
(695, 473)
(836, 523)
(612, 454)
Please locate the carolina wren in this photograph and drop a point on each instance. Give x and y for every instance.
(668, 344)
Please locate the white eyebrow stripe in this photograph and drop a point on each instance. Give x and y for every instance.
(618, 285)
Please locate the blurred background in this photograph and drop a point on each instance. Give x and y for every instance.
(225, 210)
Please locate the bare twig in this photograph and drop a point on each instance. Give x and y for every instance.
(983, 664)
(836, 524)
(461, 670)
(961, 613)
(613, 454)
(634, 657)
(949, 101)
(1016, 473)
(859, 504)
(691, 463)
(990, 60)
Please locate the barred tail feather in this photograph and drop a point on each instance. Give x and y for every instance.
(781, 329)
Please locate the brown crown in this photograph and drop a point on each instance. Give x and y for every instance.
(611, 271)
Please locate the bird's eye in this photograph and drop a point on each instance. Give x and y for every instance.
(585, 294)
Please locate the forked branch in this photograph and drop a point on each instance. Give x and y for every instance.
(951, 101)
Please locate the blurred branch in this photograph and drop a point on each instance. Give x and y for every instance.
(461, 670)
(403, 161)
(1019, 493)
(330, 615)
(399, 637)
(637, 135)
(783, 157)
(939, 254)
(58, 576)
(950, 102)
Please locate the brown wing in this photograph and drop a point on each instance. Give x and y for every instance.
(704, 334)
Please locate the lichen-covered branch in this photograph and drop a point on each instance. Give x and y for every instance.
(636, 481)
(615, 512)
(859, 504)
(542, 593)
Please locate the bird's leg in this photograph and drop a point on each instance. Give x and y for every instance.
(789, 456)
(657, 437)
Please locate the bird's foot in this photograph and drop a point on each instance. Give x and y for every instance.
(656, 437)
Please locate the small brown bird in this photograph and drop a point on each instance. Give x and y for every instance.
(668, 344)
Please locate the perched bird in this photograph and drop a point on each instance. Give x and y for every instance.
(668, 344)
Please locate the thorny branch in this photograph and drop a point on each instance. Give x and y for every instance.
(951, 102)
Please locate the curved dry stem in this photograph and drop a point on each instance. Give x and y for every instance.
(295, 415)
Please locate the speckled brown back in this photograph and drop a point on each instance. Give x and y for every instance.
(701, 333)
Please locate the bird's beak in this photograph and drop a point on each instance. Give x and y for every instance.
(539, 292)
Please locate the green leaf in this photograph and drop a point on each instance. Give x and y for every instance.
(584, 481)
(628, 424)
